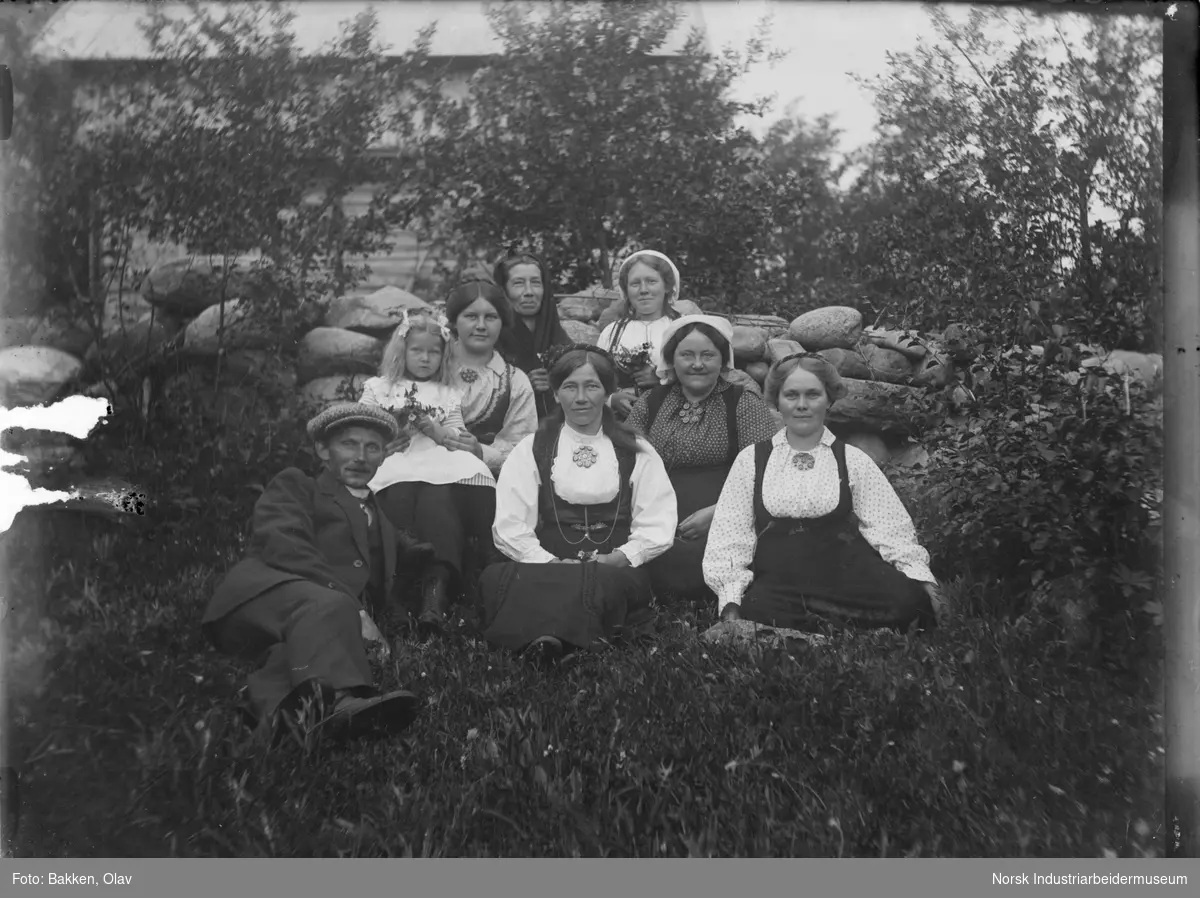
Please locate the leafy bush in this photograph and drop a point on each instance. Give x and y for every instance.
(1050, 470)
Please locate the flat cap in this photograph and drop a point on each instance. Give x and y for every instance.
(343, 414)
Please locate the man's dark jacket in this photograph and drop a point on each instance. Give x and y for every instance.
(305, 528)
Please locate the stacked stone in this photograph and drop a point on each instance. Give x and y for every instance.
(336, 358)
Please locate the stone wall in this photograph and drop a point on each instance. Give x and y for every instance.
(888, 374)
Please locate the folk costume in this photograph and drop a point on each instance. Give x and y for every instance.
(629, 334)
(798, 537)
(569, 495)
(498, 406)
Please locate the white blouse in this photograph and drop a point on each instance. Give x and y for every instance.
(479, 395)
(424, 460)
(654, 517)
(635, 334)
(789, 492)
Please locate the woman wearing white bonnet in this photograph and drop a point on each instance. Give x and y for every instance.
(697, 421)
(649, 283)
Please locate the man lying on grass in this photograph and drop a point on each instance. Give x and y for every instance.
(321, 554)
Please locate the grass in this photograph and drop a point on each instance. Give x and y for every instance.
(984, 738)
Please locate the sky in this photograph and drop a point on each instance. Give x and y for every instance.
(829, 42)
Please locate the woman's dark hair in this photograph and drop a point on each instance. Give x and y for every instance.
(717, 338)
(820, 366)
(470, 290)
(670, 284)
(622, 436)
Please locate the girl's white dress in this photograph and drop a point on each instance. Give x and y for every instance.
(424, 460)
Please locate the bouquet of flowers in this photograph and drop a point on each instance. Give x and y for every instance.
(551, 356)
(631, 361)
(412, 410)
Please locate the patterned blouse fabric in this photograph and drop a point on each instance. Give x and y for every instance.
(791, 492)
(482, 389)
(706, 441)
(653, 506)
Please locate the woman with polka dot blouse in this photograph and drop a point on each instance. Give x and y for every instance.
(809, 529)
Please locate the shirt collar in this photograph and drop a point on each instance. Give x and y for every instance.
(780, 438)
(496, 362)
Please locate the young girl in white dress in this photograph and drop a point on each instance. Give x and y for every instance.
(431, 483)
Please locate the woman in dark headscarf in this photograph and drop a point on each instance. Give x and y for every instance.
(535, 327)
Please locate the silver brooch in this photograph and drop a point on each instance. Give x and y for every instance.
(469, 375)
(691, 414)
(803, 461)
(586, 555)
(584, 456)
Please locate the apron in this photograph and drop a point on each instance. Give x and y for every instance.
(577, 603)
(811, 569)
(678, 571)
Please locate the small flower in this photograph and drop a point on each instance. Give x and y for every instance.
(959, 766)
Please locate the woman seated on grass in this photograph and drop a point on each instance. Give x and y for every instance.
(535, 329)
(581, 507)
(697, 422)
(808, 529)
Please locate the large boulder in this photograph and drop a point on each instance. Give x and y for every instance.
(737, 376)
(327, 351)
(912, 347)
(579, 308)
(35, 375)
(959, 341)
(378, 311)
(63, 331)
(848, 363)
(934, 371)
(780, 348)
(880, 408)
(749, 344)
(316, 394)
(131, 327)
(1143, 367)
(260, 366)
(772, 324)
(17, 330)
(242, 330)
(831, 327)
(873, 444)
(885, 364)
(758, 370)
(186, 287)
(580, 332)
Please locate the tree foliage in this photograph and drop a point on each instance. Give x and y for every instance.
(975, 201)
(577, 139)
